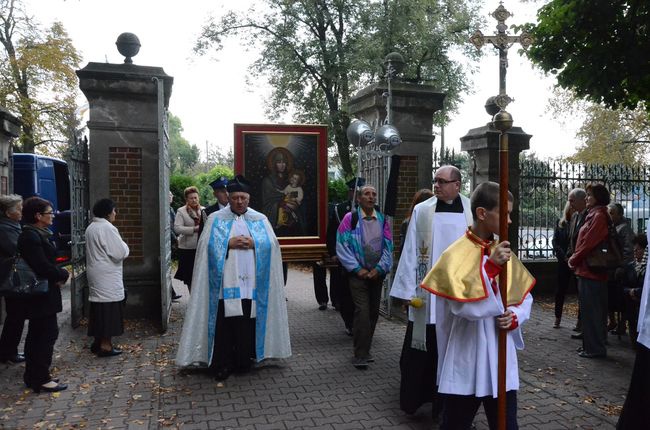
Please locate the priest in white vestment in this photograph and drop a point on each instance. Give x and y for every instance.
(434, 225)
(237, 314)
(469, 315)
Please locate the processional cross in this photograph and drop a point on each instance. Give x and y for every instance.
(502, 41)
(502, 121)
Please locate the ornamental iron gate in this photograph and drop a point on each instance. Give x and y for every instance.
(544, 191)
(77, 159)
(163, 209)
(374, 166)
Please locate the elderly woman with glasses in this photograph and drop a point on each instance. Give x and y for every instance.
(105, 253)
(36, 249)
(11, 208)
(188, 225)
(592, 283)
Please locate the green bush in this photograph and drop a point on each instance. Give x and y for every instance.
(337, 191)
(178, 183)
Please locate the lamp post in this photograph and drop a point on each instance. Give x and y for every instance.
(502, 121)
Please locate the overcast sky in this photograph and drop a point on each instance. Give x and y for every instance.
(210, 93)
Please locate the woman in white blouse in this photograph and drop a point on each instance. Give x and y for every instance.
(188, 222)
(105, 253)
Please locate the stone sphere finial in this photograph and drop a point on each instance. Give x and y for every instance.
(128, 45)
(394, 63)
(491, 106)
(502, 121)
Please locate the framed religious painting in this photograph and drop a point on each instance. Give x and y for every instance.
(287, 167)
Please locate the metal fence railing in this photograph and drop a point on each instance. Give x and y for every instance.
(544, 189)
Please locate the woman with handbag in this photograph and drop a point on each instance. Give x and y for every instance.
(11, 211)
(189, 221)
(36, 249)
(592, 282)
(105, 253)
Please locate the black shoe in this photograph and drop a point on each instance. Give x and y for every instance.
(221, 375)
(176, 296)
(360, 363)
(322, 306)
(18, 358)
(585, 354)
(576, 336)
(110, 353)
(58, 387)
(94, 348)
(370, 358)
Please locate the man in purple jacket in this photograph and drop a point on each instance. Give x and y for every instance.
(364, 246)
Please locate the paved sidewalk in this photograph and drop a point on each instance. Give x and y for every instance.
(316, 388)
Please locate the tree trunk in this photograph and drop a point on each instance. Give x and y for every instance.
(340, 122)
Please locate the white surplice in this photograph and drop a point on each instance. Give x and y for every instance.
(467, 338)
(433, 231)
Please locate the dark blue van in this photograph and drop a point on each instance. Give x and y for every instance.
(48, 178)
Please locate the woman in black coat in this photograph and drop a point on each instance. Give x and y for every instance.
(560, 246)
(11, 210)
(39, 253)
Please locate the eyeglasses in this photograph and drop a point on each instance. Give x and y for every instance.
(441, 181)
(46, 213)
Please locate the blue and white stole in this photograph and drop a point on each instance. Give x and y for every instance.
(220, 233)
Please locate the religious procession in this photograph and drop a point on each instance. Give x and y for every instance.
(361, 240)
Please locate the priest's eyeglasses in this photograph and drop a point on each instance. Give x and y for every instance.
(441, 181)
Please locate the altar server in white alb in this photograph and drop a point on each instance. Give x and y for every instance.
(435, 224)
(237, 314)
(469, 315)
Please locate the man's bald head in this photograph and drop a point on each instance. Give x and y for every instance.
(446, 183)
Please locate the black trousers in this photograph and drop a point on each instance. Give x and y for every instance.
(320, 284)
(339, 281)
(593, 309)
(458, 412)
(234, 341)
(635, 409)
(563, 278)
(12, 329)
(39, 347)
(418, 373)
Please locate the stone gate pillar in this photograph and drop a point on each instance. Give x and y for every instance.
(482, 144)
(124, 166)
(412, 110)
(9, 130)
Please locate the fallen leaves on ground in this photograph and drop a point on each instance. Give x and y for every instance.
(611, 410)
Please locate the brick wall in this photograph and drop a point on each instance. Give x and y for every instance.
(407, 185)
(125, 188)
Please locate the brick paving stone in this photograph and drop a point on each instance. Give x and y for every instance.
(316, 388)
(274, 426)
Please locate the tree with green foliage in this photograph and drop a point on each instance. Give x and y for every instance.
(182, 155)
(317, 53)
(613, 136)
(38, 81)
(608, 136)
(597, 48)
